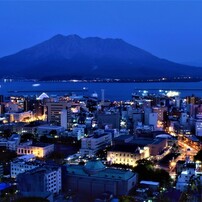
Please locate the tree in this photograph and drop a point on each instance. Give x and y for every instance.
(53, 133)
(126, 199)
(198, 156)
(146, 171)
(163, 177)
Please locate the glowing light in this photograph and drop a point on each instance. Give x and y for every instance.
(172, 93)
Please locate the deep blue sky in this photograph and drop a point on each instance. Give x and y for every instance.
(168, 29)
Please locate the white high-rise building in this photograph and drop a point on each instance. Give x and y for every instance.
(153, 119)
(64, 118)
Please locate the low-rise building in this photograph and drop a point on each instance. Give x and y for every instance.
(127, 154)
(38, 181)
(53, 131)
(189, 178)
(23, 164)
(90, 145)
(11, 143)
(19, 117)
(157, 146)
(94, 178)
(38, 149)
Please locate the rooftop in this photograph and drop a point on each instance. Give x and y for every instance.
(101, 172)
(157, 141)
(4, 185)
(132, 148)
(150, 183)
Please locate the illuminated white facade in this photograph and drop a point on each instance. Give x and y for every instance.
(127, 157)
(40, 150)
(19, 117)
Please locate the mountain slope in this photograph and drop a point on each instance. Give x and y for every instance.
(74, 57)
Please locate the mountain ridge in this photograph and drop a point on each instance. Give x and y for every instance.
(87, 58)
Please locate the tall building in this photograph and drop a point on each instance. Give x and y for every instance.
(34, 105)
(198, 128)
(153, 119)
(54, 111)
(66, 118)
(147, 111)
(160, 111)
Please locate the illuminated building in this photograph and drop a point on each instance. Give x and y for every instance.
(157, 146)
(19, 117)
(160, 111)
(94, 178)
(127, 154)
(39, 150)
(36, 106)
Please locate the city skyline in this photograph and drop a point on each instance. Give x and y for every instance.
(167, 29)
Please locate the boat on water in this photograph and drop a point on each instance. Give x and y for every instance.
(36, 84)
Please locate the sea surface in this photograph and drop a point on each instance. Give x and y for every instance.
(112, 91)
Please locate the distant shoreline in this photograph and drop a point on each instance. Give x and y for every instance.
(108, 80)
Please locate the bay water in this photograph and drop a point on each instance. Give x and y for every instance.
(112, 91)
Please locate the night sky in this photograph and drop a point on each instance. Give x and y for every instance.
(167, 29)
